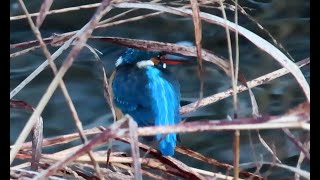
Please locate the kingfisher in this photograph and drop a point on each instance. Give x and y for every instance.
(143, 88)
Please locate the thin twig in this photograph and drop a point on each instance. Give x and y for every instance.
(301, 172)
(198, 38)
(133, 126)
(45, 6)
(288, 121)
(83, 34)
(255, 39)
(258, 81)
(185, 109)
(46, 52)
(212, 161)
(301, 158)
(24, 51)
(236, 142)
(76, 8)
(37, 133)
(297, 143)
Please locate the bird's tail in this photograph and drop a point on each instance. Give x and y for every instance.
(167, 143)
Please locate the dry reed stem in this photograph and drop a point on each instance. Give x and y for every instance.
(301, 158)
(24, 51)
(56, 40)
(59, 39)
(106, 21)
(84, 35)
(147, 162)
(114, 131)
(261, 43)
(258, 81)
(236, 141)
(274, 122)
(197, 29)
(116, 17)
(297, 143)
(255, 39)
(75, 152)
(61, 139)
(287, 121)
(128, 20)
(43, 65)
(109, 133)
(264, 143)
(56, 11)
(37, 133)
(33, 173)
(300, 172)
(133, 126)
(119, 160)
(236, 154)
(153, 176)
(187, 108)
(242, 10)
(198, 38)
(45, 7)
(51, 40)
(305, 125)
(212, 161)
(172, 165)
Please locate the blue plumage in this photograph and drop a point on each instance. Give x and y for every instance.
(150, 94)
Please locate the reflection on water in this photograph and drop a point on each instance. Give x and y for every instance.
(289, 25)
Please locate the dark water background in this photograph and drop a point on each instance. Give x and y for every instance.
(287, 20)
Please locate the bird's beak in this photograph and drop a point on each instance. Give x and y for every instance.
(169, 59)
(174, 60)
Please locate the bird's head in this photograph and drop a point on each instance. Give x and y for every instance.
(144, 59)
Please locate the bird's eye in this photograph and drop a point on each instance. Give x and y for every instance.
(160, 55)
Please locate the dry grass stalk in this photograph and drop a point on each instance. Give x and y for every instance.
(37, 133)
(190, 107)
(56, 11)
(297, 142)
(84, 35)
(133, 126)
(301, 158)
(209, 160)
(44, 8)
(198, 37)
(258, 41)
(22, 52)
(111, 132)
(236, 141)
(297, 119)
(291, 121)
(255, 39)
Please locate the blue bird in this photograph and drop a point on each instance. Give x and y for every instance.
(143, 88)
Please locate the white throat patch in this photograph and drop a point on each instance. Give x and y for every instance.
(145, 63)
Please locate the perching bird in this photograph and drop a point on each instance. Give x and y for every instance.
(143, 88)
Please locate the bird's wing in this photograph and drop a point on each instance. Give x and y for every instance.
(132, 95)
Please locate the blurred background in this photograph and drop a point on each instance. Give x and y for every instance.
(288, 21)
